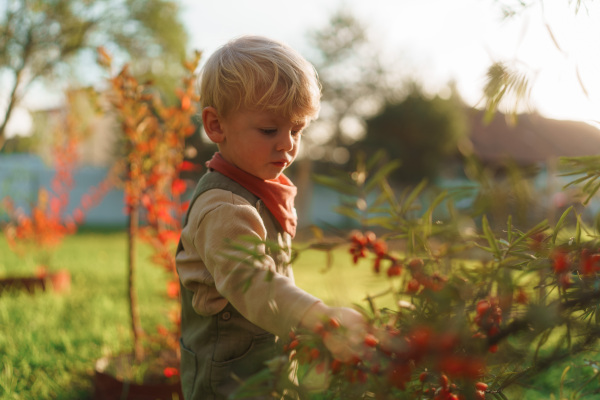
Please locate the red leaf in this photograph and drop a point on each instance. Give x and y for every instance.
(178, 186)
(189, 166)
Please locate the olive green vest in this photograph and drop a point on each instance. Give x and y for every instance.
(196, 330)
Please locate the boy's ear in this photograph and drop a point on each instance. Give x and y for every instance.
(212, 124)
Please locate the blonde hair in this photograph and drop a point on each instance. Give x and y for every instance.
(258, 73)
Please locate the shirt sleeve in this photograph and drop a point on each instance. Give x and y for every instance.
(250, 283)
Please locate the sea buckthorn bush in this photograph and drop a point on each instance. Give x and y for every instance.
(479, 313)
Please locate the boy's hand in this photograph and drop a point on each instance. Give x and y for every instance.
(345, 335)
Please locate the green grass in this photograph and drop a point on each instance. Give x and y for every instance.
(343, 283)
(49, 342)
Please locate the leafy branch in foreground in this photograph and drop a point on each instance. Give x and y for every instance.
(476, 316)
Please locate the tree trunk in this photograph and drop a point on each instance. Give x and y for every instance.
(136, 327)
(304, 184)
(9, 109)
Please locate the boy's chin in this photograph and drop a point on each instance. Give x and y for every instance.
(273, 177)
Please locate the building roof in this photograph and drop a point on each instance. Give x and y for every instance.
(533, 139)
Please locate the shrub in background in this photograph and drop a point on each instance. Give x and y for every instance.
(40, 231)
(154, 139)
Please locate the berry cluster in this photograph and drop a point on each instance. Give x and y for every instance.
(395, 358)
(443, 389)
(488, 319)
(420, 279)
(564, 264)
(361, 244)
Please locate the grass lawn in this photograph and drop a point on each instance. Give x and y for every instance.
(49, 341)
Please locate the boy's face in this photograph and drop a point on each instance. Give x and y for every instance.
(261, 143)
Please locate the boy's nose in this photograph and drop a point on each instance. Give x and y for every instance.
(286, 142)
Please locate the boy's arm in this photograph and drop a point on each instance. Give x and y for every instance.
(271, 300)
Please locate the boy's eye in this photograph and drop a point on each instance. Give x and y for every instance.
(269, 131)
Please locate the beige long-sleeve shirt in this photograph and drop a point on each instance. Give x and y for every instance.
(217, 273)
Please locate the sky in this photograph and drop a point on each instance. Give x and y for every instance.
(435, 41)
(440, 40)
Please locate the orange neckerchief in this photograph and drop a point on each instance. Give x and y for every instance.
(277, 194)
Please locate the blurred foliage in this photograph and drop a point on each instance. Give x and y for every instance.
(354, 78)
(587, 173)
(41, 39)
(421, 132)
(505, 84)
(509, 83)
(19, 144)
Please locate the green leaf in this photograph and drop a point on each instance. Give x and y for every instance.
(538, 228)
(489, 235)
(335, 184)
(434, 204)
(381, 221)
(348, 212)
(381, 174)
(562, 380)
(578, 231)
(375, 158)
(560, 223)
(576, 181)
(592, 192)
(413, 195)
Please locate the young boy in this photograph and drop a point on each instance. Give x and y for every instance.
(257, 96)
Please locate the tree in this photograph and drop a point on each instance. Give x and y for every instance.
(154, 140)
(43, 39)
(355, 81)
(420, 131)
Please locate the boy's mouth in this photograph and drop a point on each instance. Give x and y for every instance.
(280, 163)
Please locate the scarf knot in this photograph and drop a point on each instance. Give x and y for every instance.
(277, 194)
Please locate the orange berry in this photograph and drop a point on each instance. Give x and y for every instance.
(334, 323)
(314, 354)
(320, 368)
(293, 344)
(394, 270)
(444, 381)
(335, 366)
(370, 340)
(483, 306)
(377, 265)
(380, 247)
(319, 328)
(481, 386)
(560, 261)
(521, 297)
(413, 286)
(361, 376)
(370, 237)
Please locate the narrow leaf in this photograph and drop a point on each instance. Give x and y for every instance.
(560, 223)
(489, 235)
(335, 184)
(382, 173)
(413, 195)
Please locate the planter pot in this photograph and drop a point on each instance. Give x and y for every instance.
(109, 386)
(29, 284)
(59, 281)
